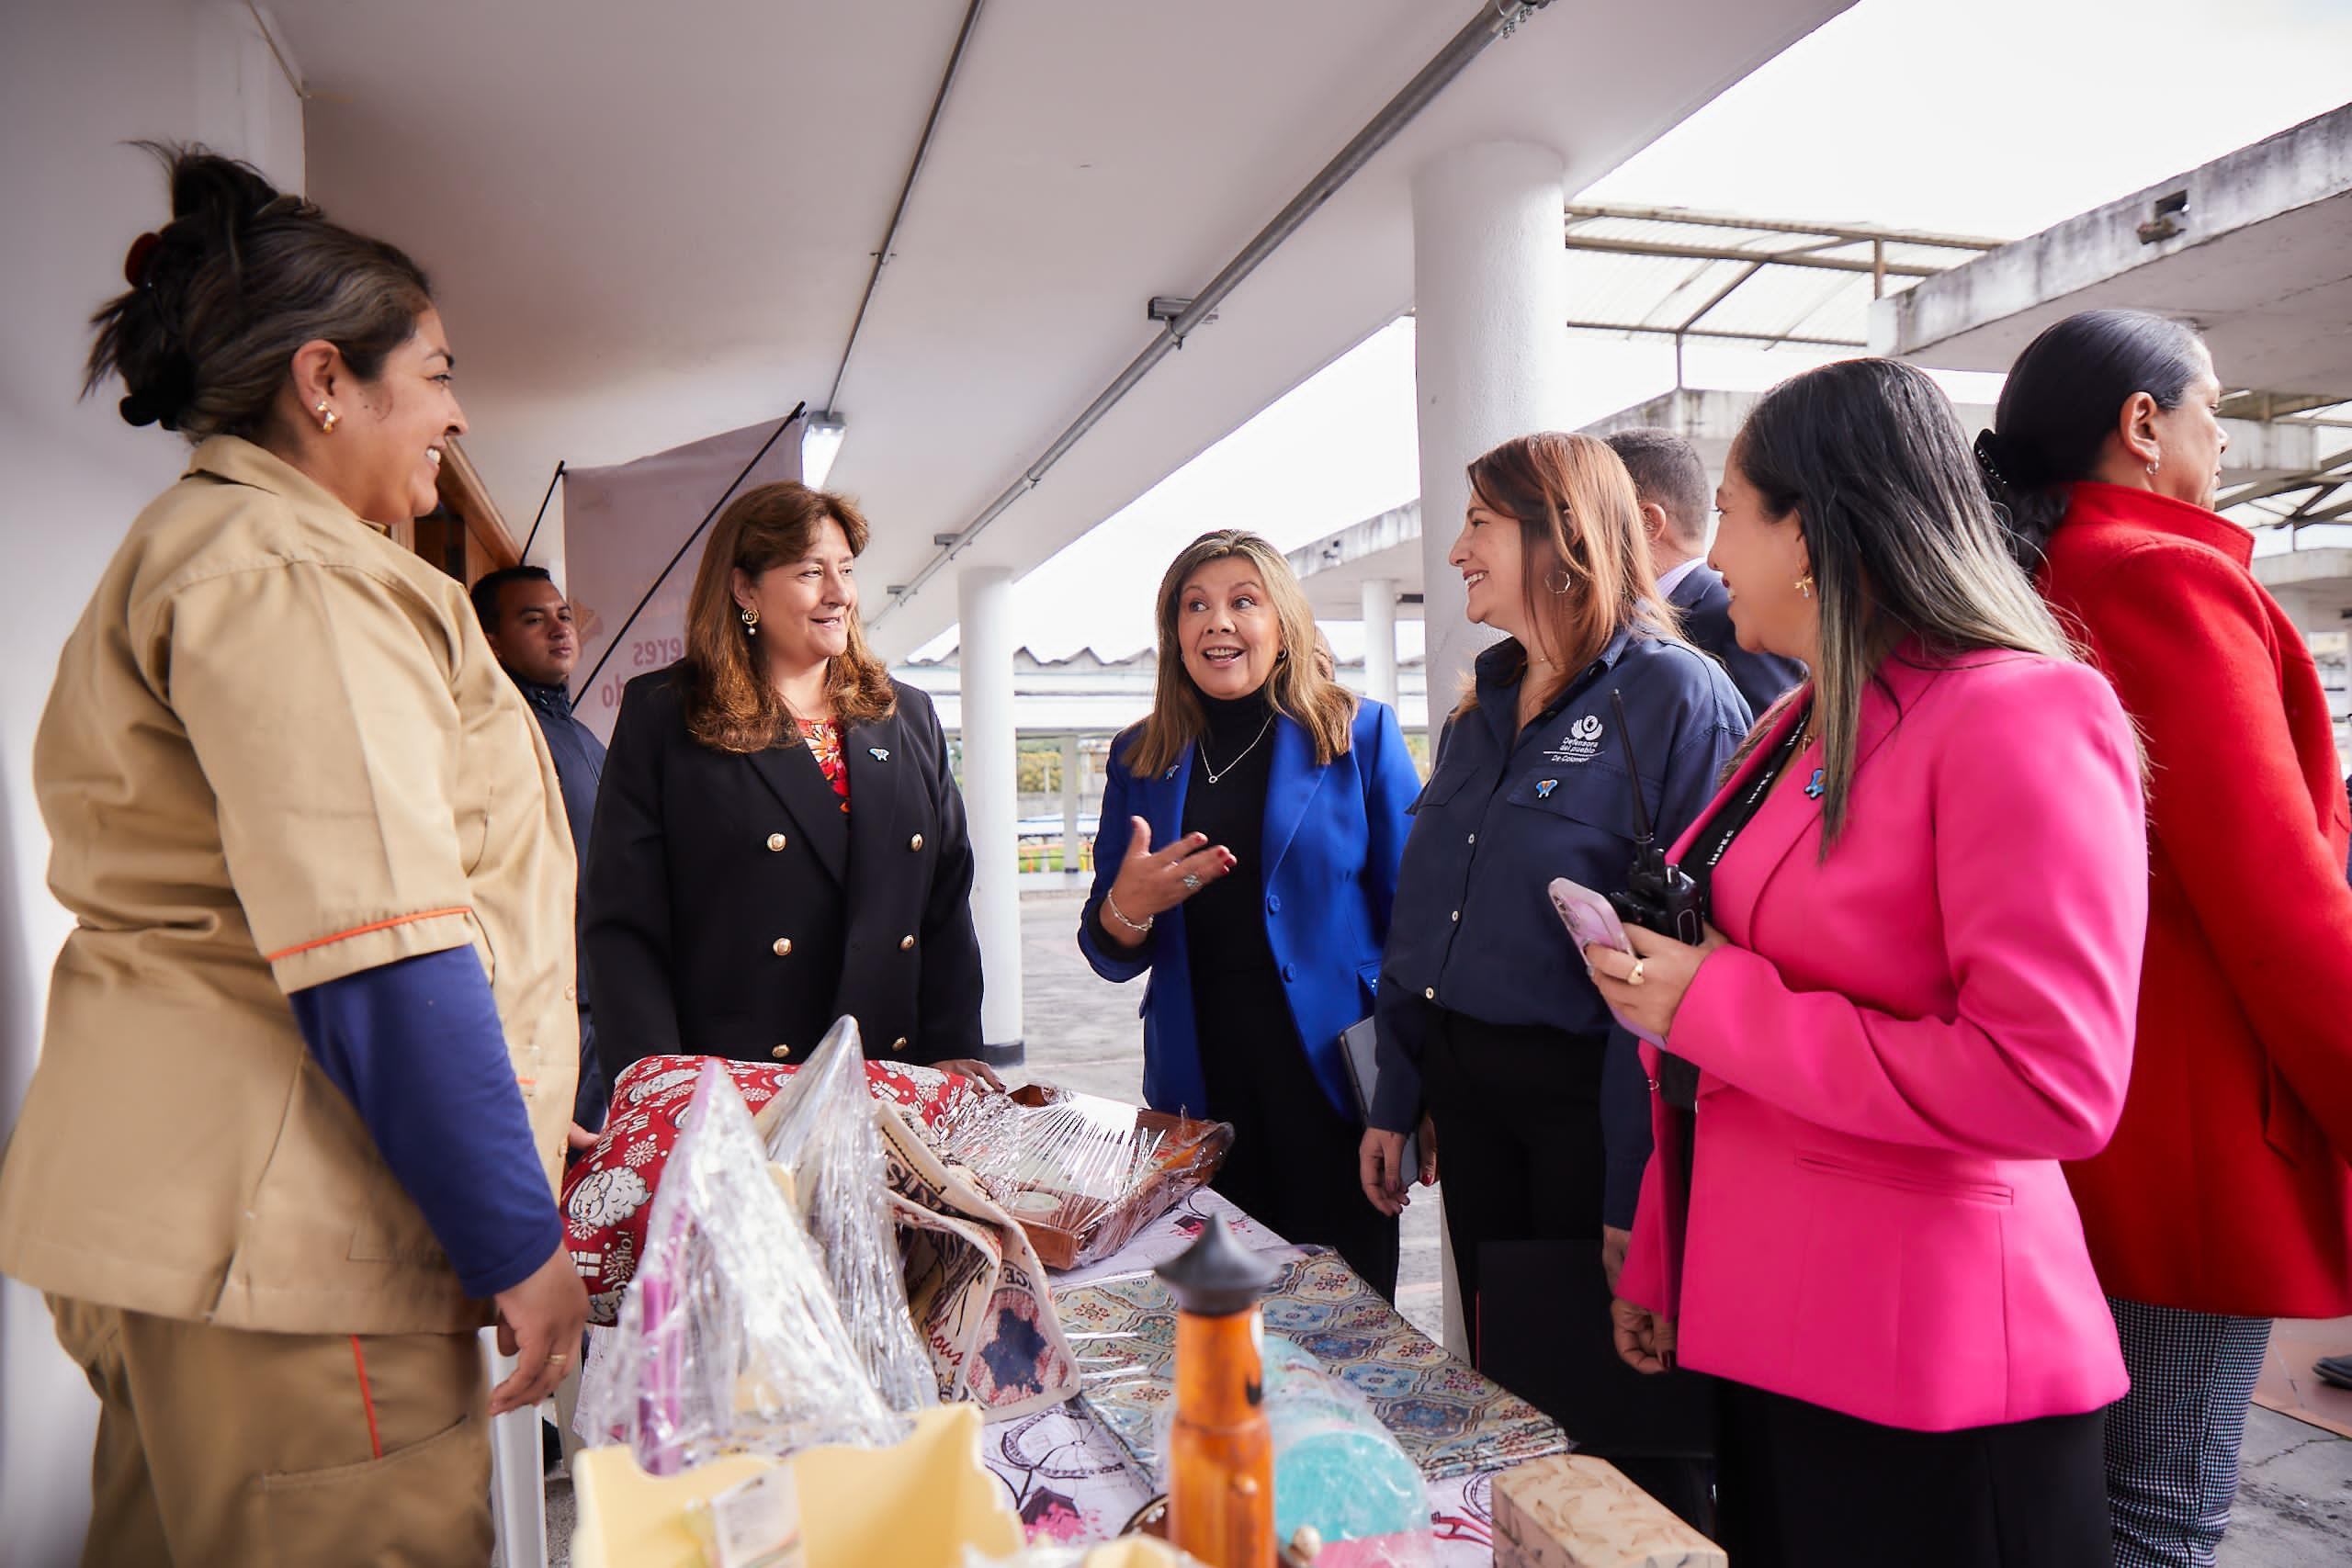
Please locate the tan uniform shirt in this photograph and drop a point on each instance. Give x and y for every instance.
(279, 752)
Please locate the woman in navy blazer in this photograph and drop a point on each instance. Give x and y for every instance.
(1277, 801)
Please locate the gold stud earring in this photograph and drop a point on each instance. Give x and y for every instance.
(327, 417)
(751, 620)
(1805, 585)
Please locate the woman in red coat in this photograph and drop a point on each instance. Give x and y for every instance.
(2224, 1199)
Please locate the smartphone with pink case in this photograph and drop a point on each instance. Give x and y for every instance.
(1589, 919)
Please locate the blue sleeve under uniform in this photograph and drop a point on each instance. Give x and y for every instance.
(417, 1048)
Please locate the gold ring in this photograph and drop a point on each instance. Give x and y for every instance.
(558, 1359)
(1634, 975)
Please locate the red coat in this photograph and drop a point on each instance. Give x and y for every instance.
(2225, 1189)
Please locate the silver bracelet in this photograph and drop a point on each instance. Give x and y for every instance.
(1113, 905)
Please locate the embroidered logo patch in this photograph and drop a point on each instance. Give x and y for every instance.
(1543, 788)
(1581, 742)
(879, 753)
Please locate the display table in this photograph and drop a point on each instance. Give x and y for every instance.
(1070, 1476)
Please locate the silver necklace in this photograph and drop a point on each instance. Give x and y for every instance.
(1216, 772)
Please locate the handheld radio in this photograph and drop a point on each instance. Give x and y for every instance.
(1658, 897)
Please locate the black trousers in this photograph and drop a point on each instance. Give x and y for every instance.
(1517, 1117)
(1800, 1486)
(1293, 1164)
(1519, 1159)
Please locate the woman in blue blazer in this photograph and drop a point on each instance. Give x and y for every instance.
(1263, 807)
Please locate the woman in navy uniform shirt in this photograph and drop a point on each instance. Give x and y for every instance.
(1487, 1017)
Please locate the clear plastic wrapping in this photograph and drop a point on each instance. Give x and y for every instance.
(1081, 1173)
(1449, 1420)
(821, 1129)
(1336, 1471)
(729, 1337)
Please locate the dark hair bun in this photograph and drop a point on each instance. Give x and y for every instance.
(145, 341)
(224, 294)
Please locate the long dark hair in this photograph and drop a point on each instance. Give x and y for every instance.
(2061, 401)
(731, 706)
(1866, 457)
(223, 295)
(1585, 566)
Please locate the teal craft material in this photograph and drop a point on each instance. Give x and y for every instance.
(1447, 1418)
(1336, 1468)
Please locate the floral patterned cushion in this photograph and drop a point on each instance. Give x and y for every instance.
(608, 1195)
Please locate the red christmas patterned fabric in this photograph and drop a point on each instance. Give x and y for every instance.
(608, 1196)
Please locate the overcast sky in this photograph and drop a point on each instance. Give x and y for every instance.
(1997, 117)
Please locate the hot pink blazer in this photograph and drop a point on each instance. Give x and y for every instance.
(1897, 1050)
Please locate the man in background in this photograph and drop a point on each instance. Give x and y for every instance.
(528, 622)
(1670, 483)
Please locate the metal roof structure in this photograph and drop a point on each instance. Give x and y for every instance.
(2320, 494)
(1683, 273)
(2250, 247)
(1689, 274)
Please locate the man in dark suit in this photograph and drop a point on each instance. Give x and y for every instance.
(1670, 483)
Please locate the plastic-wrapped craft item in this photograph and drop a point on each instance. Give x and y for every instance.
(730, 1339)
(1449, 1420)
(821, 1129)
(1083, 1175)
(1336, 1471)
(1338, 1476)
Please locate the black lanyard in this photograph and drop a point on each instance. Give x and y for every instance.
(1714, 841)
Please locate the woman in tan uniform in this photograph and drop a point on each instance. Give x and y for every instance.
(310, 1045)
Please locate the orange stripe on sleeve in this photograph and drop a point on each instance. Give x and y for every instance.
(375, 1442)
(363, 931)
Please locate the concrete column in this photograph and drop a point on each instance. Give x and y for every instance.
(1380, 640)
(1489, 362)
(1490, 350)
(1073, 783)
(991, 804)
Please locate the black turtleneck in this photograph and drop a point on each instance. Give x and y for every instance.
(1292, 1159)
(1225, 922)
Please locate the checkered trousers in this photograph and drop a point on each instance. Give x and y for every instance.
(2172, 1442)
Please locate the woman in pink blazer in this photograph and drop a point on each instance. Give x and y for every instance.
(1926, 888)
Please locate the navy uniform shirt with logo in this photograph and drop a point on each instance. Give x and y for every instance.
(1502, 814)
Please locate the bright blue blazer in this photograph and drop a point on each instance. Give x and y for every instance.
(1334, 836)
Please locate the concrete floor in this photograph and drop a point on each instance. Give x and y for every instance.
(2295, 1501)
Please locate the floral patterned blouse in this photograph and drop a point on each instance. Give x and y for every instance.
(824, 741)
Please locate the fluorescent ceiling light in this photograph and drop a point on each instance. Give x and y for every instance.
(820, 443)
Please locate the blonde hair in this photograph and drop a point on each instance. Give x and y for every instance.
(1298, 688)
(1585, 565)
(731, 706)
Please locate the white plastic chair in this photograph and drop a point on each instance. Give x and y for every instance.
(518, 1501)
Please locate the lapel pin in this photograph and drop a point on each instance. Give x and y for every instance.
(1168, 774)
(1814, 790)
(879, 753)
(1543, 788)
